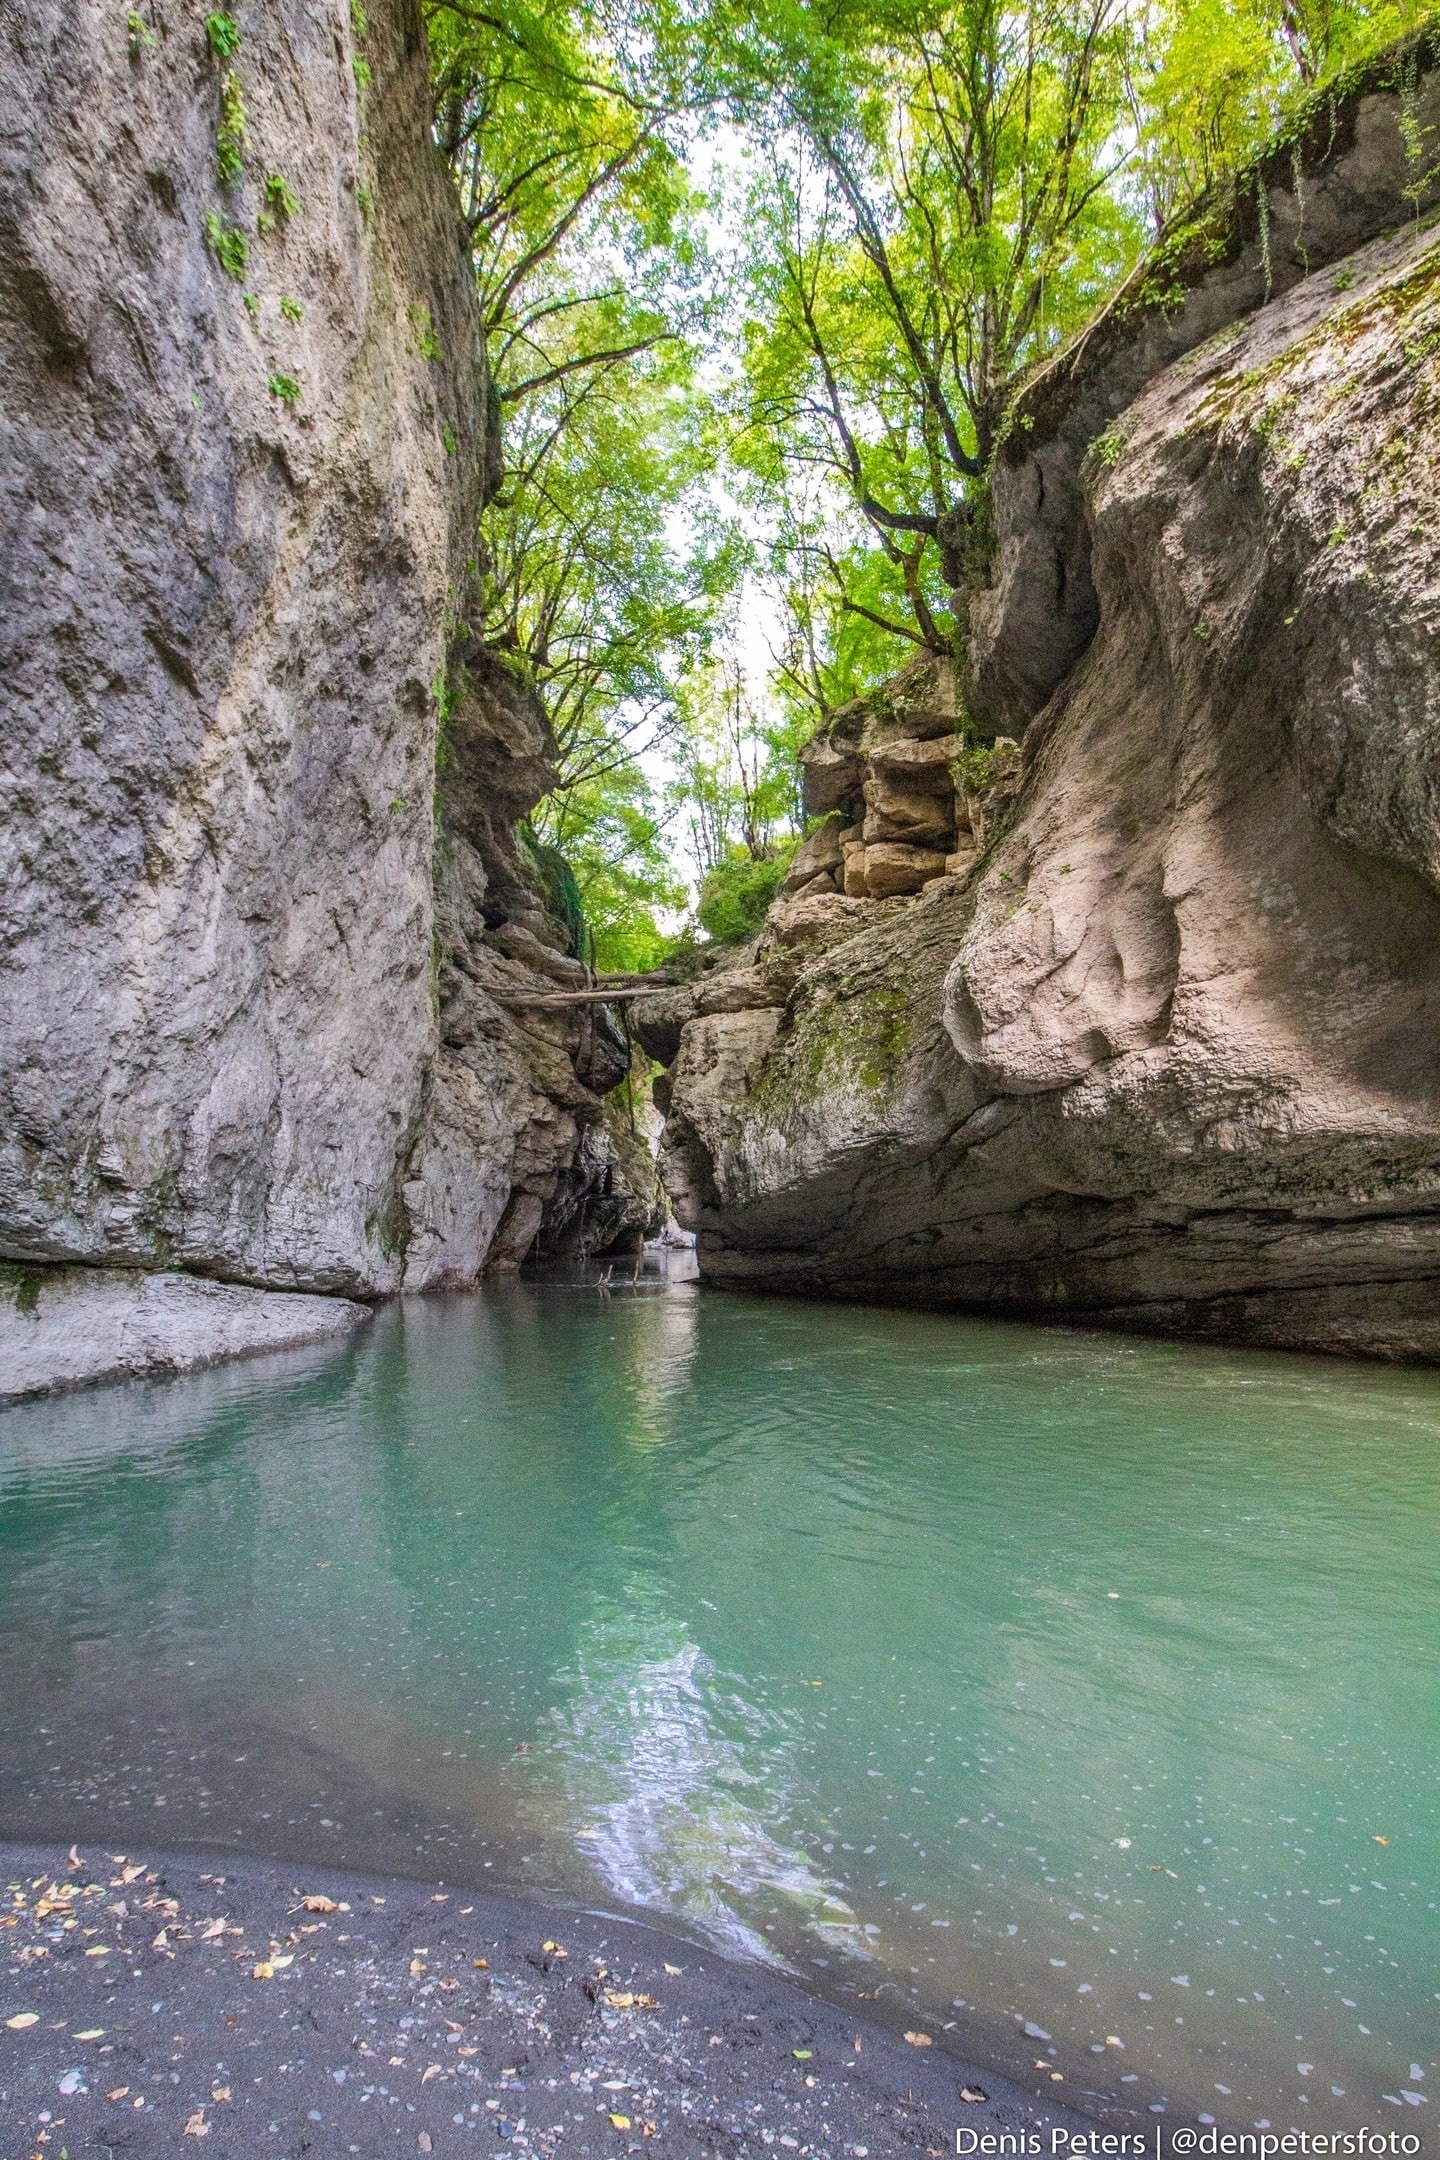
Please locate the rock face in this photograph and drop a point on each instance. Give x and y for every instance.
(246, 439)
(1355, 166)
(1167, 1056)
(64, 1327)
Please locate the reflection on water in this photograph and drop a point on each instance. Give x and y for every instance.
(675, 1777)
(1080, 1692)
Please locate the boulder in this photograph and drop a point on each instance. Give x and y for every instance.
(892, 868)
(821, 852)
(919, 818)
(829, 778)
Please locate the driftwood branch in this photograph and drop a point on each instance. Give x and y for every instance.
(571, 997)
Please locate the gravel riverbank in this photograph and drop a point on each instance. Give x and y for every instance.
(150, 2003)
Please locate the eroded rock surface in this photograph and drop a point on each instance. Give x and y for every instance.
(246, 439)
(1167, 1055)
(65, 1327)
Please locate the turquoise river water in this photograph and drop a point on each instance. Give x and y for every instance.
(1075, 1696)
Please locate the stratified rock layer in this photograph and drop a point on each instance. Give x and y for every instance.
(1170, 1055)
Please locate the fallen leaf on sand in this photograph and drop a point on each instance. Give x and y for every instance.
(620, 2122)
(919, 2039)
(801, 2054)
(212, 1931)
(263, 1971)
(554, 1949)
(196, 2126)
(1380, 1841)
(219, 2093)
(313, 1902)
(975, 2094)
(674, 1970)
(91, 2032)
(119, 2093)
(481, 1964)
(423, 2141)
(417, 1966)
(618, 2000)
(22, 2019)
(435, 2070)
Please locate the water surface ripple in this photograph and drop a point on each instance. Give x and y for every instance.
(1078, 1692)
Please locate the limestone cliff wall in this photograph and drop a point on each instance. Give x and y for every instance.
(245, 443)
(1168, 1054)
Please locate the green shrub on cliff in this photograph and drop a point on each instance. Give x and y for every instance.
(735, 894)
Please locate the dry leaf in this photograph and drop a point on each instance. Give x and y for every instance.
(129, 1874)
(220, 2092)
(918, 2039)
(417, 1966)
(263, 1971)
(315, 1903)
(279, 1963)
(435, 2070)
(98, 1950)
(974, 2094)
(618, 2000)
(22, 2019)
(554, 1949)
(197, 2126)
(91, 2032)
(620, 2122)
(675, 1969)
(481, 1964)
(212, 1931)
(423, 2141)
(119, 2093)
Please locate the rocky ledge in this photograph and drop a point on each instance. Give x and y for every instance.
(1164, 1054)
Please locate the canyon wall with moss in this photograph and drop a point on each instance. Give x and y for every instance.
(258, 1021)
(1148, 1034)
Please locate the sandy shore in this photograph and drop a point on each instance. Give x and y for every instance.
(150, 2004)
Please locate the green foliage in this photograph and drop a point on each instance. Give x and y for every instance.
(359, 20)
(228, 244)
(366, 201)
(280, 198)
(141, 37)
(284, 387)
(222, 35)
(609, 833)
(561, 889)
(360, 69)
(427, 345)
(290, 309)
(735, 894)
(232, 138)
